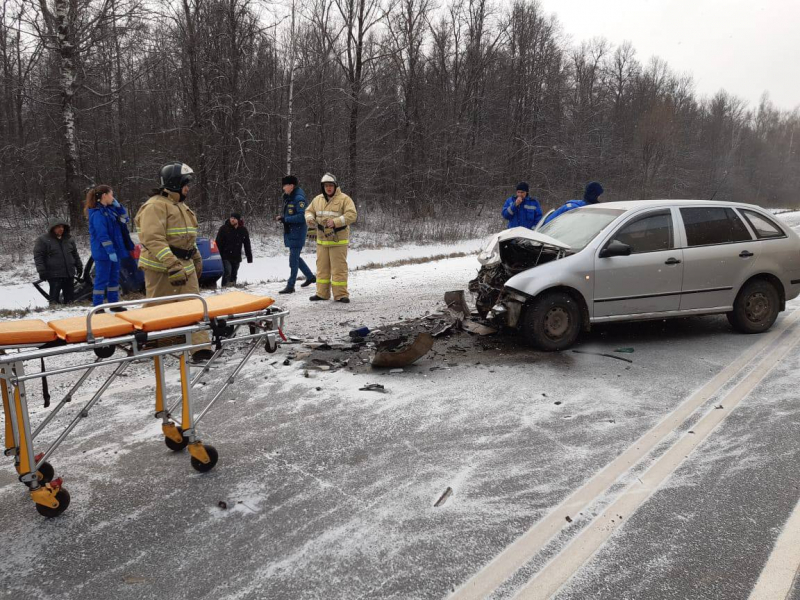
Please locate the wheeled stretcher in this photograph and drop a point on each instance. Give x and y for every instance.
(118, 339)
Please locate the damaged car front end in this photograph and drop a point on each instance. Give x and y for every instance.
(541, 282)
(505, 255)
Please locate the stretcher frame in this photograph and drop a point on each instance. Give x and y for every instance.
(264, 326)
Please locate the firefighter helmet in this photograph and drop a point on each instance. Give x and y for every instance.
(176, 175)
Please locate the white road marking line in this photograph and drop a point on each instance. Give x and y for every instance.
(783, 567)
(562, 567)
(523, 549)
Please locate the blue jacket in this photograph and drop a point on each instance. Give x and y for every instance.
(526, 214)
(294, 218)
(570, 205)
(105, 232)
(123, 220)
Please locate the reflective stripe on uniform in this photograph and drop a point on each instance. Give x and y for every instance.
(113, 289)
(328, 213)
(323, 280)
(325, 243)
(108, 243)
(163, 253)
(340, 283)
(151, 264)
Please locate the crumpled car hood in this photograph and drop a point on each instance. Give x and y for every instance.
(490, 254)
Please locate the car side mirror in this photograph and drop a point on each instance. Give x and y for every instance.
(615, 248)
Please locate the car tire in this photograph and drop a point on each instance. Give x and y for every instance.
(756, 307)
(552, 322)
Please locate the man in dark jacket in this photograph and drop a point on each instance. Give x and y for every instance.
(294, 231)
(230, 239)
(57, 260)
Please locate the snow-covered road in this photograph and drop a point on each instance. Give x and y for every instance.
(331, 490)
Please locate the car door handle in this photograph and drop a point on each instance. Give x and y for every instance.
(672, 261)
(745, 254)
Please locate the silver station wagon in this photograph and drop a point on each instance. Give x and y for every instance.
(638, 260)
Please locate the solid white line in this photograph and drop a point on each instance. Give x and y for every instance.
(783, 566)
(561, 568)
(524, 548)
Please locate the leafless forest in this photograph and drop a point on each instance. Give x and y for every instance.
(423, 110)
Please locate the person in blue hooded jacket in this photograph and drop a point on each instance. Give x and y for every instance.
(591, 195)
(521, 210)
(106, 219)
(294, 231)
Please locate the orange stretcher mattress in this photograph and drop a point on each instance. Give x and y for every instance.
(189, 312)
(27, 331)
(153, 318)
(73, 330)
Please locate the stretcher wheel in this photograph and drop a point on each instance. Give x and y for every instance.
(46, 472)
(104, 351)
(270, 347)
(205, 467)
(62, 496)
(176, 446)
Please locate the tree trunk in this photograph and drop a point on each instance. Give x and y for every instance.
(68, 73)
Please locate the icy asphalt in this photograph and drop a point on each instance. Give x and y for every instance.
(330, 491)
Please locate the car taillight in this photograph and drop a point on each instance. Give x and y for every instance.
(214, 249)
(137, 250)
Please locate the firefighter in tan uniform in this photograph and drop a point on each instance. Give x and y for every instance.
(168, 235)
(331, 214)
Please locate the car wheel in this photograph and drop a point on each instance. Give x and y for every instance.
(552, 322)
(756, 307)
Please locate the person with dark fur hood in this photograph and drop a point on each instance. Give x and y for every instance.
(57, 260)
(230, 239)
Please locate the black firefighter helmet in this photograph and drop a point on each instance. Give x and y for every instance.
(176, 175)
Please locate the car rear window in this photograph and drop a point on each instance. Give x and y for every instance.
(713, 225)
(580, 226)
(763, 226)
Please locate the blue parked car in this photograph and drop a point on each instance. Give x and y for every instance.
(131, 279)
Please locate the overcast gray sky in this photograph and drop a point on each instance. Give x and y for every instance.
(744, 46)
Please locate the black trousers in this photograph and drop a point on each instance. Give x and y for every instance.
(231, 271)
(59, 285)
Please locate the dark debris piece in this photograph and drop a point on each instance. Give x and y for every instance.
(373, 387)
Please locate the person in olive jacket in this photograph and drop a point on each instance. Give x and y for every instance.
(230, 239)
(57, 260)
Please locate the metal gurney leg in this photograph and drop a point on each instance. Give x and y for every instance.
(50, 497)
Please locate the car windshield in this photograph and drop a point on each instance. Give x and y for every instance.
(578, 227)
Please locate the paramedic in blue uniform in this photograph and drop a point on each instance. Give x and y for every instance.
(521, 210)
(591, 195)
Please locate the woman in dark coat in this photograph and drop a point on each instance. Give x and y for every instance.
(57, 260)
